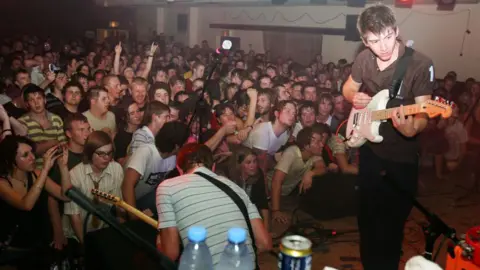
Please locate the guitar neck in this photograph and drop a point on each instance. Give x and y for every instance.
(138, 214)
(387, 113)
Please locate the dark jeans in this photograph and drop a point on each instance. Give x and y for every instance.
(148, 201)
(382, 209)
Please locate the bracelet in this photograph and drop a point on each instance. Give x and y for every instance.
(273, 211)
(39, 187)
(6, 130)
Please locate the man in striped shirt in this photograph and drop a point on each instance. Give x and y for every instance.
(191, 200)
(43, 127)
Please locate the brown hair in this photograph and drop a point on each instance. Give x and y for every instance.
(240, 152)
(375, 19)
(192, 154)
(94, 93)
(67, 124)
(95, 140)
(154, 107)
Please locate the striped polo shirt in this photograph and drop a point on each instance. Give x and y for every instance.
(38, 134)
(190, 200)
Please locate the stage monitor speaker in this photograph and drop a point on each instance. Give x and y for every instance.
(351, 32)
(332, 196)
(356, 3)
(278, 2)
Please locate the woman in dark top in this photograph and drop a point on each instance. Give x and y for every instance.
(133, 116)
(23, 198)
(243, 170)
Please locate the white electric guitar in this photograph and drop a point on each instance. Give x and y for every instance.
(364, 124)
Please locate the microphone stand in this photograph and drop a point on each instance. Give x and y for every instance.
(435, 227)
(104, 214)
(201, 104)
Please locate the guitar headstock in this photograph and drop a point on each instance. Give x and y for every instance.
(106, 196)
(434, 108)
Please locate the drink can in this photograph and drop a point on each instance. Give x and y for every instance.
(295, 253)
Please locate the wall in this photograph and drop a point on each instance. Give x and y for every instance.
(171, 16)
(146, 22)
(437, 34)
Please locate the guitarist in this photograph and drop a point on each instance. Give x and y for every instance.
(382, 209)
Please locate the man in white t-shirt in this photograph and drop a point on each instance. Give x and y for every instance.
(155, 116)
(150, 164)
(267, 138)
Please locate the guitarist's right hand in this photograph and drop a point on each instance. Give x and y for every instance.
(361, 100)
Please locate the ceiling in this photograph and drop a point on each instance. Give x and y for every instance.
(249, 2)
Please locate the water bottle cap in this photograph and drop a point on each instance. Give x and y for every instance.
(237, 235)
(197, 234)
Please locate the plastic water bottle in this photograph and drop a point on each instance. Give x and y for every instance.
(196, 255)
(236, 254)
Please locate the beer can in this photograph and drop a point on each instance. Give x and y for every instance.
(295, 253)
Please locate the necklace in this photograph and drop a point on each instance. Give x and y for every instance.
(23, 182)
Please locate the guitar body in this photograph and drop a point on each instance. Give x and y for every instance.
(360, 126)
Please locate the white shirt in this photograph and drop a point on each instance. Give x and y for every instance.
(296, 129)
(82, 177)
(262, 137)
(146, 160)
(140, 137)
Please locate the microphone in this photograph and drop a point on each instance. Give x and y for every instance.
(86, 203)
(226, 46)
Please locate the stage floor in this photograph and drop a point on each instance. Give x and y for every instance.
(439, 196)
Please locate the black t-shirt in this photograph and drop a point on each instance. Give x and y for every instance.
(122, 141)
(418, 81)
(13, 110)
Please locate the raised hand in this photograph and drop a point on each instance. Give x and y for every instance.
(153, 48)
(118, 48)
(50, 156)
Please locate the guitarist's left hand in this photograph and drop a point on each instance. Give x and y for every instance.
(402, 124)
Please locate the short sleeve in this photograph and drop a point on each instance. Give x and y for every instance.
(287, 159)
(139, 160)
(166, 213)
(118, 174)
(259, 138)
(359, 65)
(70, 207)
(424, 80)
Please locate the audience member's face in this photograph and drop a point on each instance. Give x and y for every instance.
(237, 80)
(79, 132)
(297, 92)
(73, 95)
(288, 115)
(161, 119)
(265, 83)
(102, 157)
(310, 93)
(199, 71)
(135, 115)
(25, 159)
(114, 88)
(383, 44)
(102, 103)
(271, 72)
(339, 106)
(307, 117)
(226, 117)
(254, 75)
(322, 78)
(247, 84)
(324, 107)
(99, 78)
(22, 79)
(36, 103)
(162, 96)
(249, 165)
(129, 73)
(328, 84)
(174, 114)
(263, 104)
(283, 94)
(16, 64)
(448, 85)
(85, 70)
(301, 79)
(161, 76)
(177, 87)
(139, 93)
(197, 84)
(316, 144)
(240, 65)
(60, 80)
(476, 89)
(172, 73)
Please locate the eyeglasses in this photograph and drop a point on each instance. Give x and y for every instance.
(104, 154)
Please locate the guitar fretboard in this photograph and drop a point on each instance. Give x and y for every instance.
(387, 113)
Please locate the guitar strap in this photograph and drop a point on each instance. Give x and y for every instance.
(241, 205)
(400, 71)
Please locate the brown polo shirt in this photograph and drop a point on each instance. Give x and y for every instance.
(418, 81)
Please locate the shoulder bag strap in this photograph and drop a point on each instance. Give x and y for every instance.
(400, 71)
(241, 205)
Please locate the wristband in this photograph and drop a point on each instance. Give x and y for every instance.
(6, 130)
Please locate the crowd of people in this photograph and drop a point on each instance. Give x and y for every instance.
(134, 120)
